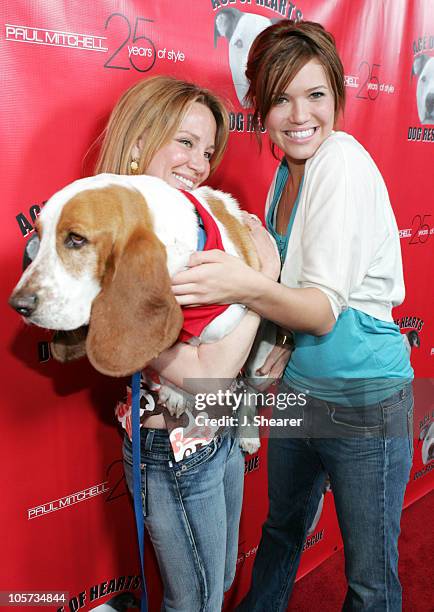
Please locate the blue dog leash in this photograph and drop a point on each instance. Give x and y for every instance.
(137, 484)
(135, 433)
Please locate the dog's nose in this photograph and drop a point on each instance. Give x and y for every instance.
(429, 103)
(25, 305)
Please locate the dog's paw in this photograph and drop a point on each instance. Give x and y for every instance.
(250, 445)
(173, 400)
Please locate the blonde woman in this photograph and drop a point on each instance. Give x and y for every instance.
(177, 131)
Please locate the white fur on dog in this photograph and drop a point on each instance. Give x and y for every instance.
(65, 299)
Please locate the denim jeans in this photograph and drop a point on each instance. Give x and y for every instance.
(191, 511)
(368, 463)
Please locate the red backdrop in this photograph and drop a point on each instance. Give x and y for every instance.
(66, 516)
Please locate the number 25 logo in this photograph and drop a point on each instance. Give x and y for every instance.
(421, 231)
(141, 45)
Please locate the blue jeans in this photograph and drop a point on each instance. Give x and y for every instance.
(191, 511)
(368, 462)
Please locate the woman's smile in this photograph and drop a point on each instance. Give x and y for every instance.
(300, 135)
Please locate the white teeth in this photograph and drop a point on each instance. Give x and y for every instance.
(301, 134)
(183, 180)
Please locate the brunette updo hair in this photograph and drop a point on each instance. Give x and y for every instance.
(276, 56)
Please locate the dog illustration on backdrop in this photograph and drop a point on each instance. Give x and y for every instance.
(426, 436)
(241, 30)
(109, 245)
(423, 67)
(411, 340)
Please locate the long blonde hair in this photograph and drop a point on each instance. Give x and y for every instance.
(152, 110)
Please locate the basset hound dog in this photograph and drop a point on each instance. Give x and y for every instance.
(109, 246)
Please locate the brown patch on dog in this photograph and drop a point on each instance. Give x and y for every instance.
(104, 218)
(135, 316)
(237, 232)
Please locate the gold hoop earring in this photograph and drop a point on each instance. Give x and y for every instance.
(134, 166)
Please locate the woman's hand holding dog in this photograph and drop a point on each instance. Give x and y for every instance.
(265, 247)
(275, 363)
(215, 277)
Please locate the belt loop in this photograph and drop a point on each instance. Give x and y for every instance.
(149, 439)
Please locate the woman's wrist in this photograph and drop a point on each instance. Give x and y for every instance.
(251, 314)
(259, 285)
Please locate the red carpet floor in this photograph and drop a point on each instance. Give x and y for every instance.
(323, 590)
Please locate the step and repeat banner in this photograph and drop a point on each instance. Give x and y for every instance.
(67, 519)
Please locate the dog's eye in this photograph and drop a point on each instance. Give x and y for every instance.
(75, 241)
(238, 43)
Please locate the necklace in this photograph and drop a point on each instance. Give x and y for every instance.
(286, 204)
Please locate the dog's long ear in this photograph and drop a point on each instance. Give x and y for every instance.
(225, 23)
(136, 316)
(419, 63)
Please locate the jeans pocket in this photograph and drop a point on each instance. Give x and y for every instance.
(398, 415)
(405, 394)
(193, 462)
(357, 419)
